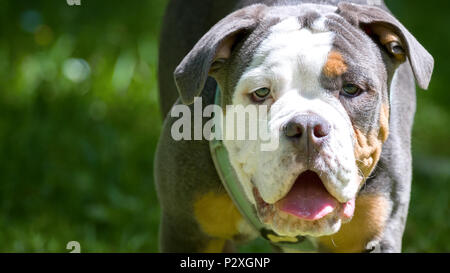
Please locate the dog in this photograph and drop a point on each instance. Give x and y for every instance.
(338, 79)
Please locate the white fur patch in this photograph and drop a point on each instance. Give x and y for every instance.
(289, 62)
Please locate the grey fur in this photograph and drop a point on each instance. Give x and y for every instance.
(184, 169)
(421, 61)
(191, 74)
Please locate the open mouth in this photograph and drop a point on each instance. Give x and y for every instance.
(309, 200)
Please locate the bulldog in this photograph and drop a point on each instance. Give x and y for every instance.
(338, 82)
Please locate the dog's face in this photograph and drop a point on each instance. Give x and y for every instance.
(325, 84)
(324, 79)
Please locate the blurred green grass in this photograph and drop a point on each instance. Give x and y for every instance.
(79, 122)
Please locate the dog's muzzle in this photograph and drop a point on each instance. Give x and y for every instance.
(307, 132)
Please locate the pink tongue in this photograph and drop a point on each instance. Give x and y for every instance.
(308, 199)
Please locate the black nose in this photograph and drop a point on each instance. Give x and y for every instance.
(309, 126)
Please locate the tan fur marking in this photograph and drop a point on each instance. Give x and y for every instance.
(335, 65)
(385, 35)
(215, 246)
(370, 217)
(384, 123)
(217, 215)
(368, 147)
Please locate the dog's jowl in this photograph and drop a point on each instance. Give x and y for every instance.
(337, 80)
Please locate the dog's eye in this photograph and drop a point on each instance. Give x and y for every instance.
(351, 90)
(397, 50)
(261, 94)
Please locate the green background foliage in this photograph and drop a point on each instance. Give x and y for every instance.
(79, 122)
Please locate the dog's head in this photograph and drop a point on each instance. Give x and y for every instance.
(324, 73)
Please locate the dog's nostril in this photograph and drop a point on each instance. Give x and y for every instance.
(315, 127)
(293, 130)
(321, 130)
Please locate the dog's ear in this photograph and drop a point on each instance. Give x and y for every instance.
(212, 50)
(397, 40)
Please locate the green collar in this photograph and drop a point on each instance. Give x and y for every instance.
(234, 188)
